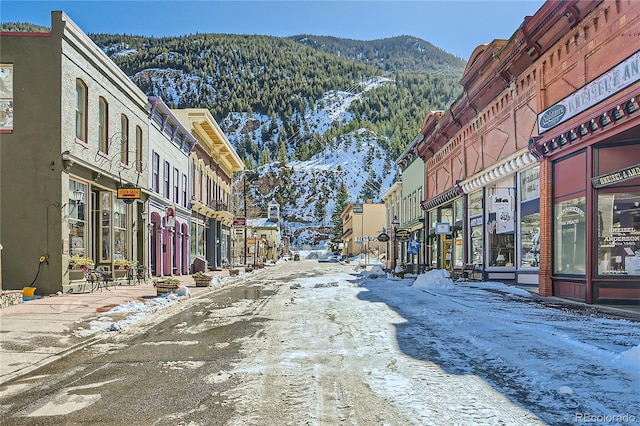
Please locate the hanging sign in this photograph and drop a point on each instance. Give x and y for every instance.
(129, 193)
(403, 235)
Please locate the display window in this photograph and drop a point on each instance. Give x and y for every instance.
(475, 228)
(433, 240)
(570, 239)
(198, 230)
(618, 233)
(105, 226)
(529, 243)
(120, 234)
(458, 233)
(78, 236)
(501, 224)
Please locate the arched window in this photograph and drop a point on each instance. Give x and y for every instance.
(124, 139)
(103, 126)
(138, 149)
(81, 110)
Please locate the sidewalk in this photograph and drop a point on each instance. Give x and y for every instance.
(40, 331)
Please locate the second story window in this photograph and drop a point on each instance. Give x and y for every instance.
(176, 186)
(81, 111)
(184, 190)
(138, 149)
(156, 173)
(166, 180)
(124, 139)
(103, 126)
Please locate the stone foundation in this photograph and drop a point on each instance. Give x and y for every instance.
(10, 297)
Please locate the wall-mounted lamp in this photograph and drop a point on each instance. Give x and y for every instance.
(96, 176)
(77, 195)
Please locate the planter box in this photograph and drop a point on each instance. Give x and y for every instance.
(202, 282)
(233, 272)
(165, 288)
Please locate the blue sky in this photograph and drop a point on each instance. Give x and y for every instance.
(458, 27)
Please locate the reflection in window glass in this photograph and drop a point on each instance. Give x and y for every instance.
(619, 234)
(570, 237)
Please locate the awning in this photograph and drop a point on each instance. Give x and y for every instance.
(442, 198)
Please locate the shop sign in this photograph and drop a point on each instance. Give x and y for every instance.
(240, 222)
(443, 228)
(623, 237)
(571, 212)
(613, 81)
(475, 221)
(530, 184)
(403, 235)
(128, 193)
(383, 237)
(357, 208)
(615, 177)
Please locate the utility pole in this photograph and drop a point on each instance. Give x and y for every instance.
(244, 179)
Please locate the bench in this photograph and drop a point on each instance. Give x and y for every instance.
(465, 273)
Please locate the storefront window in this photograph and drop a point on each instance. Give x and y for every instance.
(458, 233)
(433, 239)
(530, 218)
(475, 228)
(619, 234)
(120, 240)
(197, 239)
(570, 237)
(105, 226)
(77, 219)
(501, 224)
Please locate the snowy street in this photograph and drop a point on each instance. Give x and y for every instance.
(309, 343)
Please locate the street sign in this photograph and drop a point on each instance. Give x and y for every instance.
(383, 237)
(239, 222)
(403, 235)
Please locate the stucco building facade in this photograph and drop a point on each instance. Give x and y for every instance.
(74, 131)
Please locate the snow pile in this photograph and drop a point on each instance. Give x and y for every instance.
(137, 312)
(501, 287)
(629, 359)
(435, 279)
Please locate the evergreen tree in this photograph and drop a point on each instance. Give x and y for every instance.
(342, 199)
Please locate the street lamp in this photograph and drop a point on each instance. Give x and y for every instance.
(395, 224)
(255, 247)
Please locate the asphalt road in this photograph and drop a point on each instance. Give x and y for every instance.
(292, 346)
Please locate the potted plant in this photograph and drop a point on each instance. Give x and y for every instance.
(202, 279)
(165, 285)
(123, 263)
(78, 262)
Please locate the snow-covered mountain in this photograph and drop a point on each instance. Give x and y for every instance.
(358, 159)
